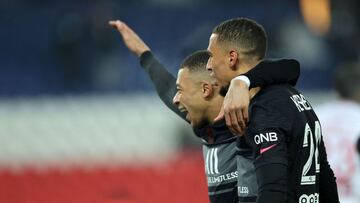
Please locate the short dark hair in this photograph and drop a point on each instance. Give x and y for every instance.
(196, 62)
(347, 82)
(245, 34)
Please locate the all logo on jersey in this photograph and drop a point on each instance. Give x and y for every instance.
(212, 162)
(313, 198)
(300, 102)
(243, 190)
(265, 137)
(214, 175)
(265, 149)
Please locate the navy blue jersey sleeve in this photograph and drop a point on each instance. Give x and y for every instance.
(328, 188)
(270, 72)
(163, 80)
(266, 134)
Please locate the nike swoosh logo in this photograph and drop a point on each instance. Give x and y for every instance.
(263, 150)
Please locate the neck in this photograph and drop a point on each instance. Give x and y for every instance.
(245, 65)
(214, 108)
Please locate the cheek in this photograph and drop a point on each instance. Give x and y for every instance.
(186, 100)
(182, 99)
(218, 72)
(192, 103)
(219, 63)
(214, 62)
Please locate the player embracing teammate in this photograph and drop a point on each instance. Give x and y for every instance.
(278, 155)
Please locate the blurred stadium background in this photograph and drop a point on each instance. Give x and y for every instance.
(79, 120)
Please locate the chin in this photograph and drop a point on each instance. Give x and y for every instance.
(222, 82)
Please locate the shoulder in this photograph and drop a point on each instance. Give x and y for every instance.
(274, 97)
(278, 92)
(273, 106)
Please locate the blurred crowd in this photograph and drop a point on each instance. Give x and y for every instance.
(340, 121)
(51, 47)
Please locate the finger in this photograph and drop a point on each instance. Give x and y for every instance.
(119, 25)
(240, 120)
(228, 122)
(245, 114)
(114, 23)
(220, 116)
(234, 123)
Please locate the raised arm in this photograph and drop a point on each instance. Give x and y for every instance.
(164, 82)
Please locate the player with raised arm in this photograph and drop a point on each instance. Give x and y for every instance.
(284, 132)
(197, 100)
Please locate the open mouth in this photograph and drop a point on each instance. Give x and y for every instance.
(183, 110)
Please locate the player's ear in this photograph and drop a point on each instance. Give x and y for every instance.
(233, 58)
(207, 90)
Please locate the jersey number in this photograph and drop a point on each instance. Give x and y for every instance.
(309, 137)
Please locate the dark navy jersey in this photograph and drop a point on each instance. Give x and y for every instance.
(290, 157)
(229, 169)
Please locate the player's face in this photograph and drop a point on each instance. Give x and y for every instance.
(189, 98)
(219, 62)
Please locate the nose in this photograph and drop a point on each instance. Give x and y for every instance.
(176, 99)
(208, 65)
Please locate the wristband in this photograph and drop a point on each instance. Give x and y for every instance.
(244, 79)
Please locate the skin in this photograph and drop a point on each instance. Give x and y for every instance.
(236, 101)
(132, 41)
(225, 63)
(197, 96)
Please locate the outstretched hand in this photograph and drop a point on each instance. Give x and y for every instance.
(235, 107)
(133, 42)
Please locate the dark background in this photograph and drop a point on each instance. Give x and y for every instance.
(66, 47)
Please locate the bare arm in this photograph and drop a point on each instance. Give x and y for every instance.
(132, 41)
